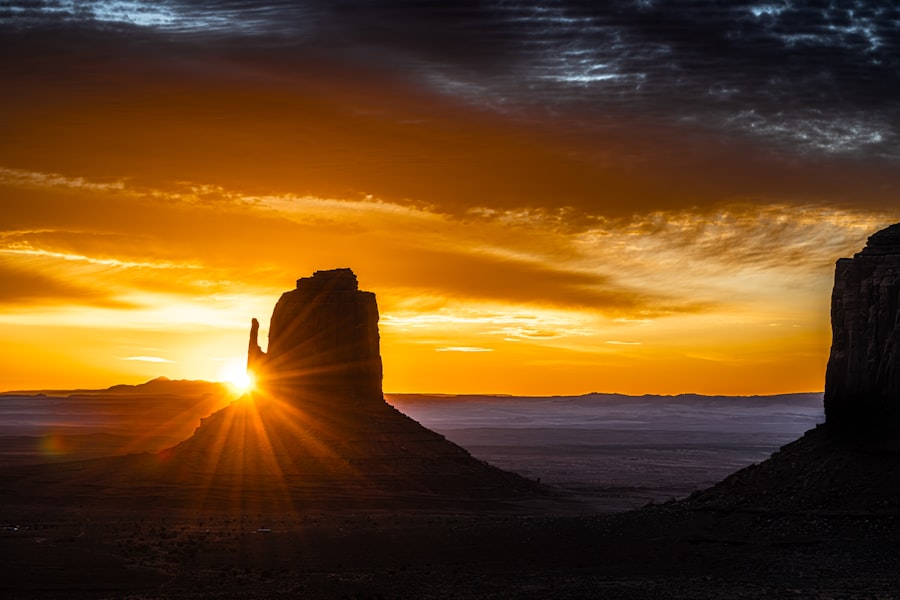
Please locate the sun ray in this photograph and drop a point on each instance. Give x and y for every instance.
(235, 373)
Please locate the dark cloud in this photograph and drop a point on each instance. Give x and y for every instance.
(24, 287)
(618, 106)
(481, 276)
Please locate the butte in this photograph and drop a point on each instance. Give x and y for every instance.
(850, 463)
(317, 424)
(316, 433)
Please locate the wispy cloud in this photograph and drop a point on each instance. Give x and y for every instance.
(651, 265)
(108, 262)
(23, 177)
(151, 359)
(24, 285)
(463, 349)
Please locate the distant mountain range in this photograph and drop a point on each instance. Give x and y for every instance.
(160, 385)
(53, 425)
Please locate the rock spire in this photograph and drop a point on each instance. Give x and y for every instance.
(862, 382)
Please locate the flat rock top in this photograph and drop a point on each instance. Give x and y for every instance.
(884, 242)
(332, 280)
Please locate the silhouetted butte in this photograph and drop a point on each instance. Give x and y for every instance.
(318, 423)
(852, 461)
(316, 433)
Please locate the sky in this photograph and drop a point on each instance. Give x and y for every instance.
(547, 197)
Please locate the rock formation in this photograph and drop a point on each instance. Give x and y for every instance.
(323, 337)
(852, 462)
(316, 435)
(862, 382)
(318, 429)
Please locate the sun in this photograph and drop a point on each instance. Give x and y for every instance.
(234, 373)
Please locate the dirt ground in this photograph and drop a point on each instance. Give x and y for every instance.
(662, 552)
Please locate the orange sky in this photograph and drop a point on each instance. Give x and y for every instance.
(153, 202)
(105, 282)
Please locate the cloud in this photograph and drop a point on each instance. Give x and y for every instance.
(108, 262)
(27, 287)
(151, 359)
(25, 178)
(463, 349)
(198, 239)
(495, 320)
(742, 236)
(480, 275)
(609, 109)
(129, 237)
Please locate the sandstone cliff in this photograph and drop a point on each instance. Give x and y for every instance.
(862, 382)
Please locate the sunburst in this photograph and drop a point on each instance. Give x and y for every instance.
(234, 372)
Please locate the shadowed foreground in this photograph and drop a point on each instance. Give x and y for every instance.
(663, 552)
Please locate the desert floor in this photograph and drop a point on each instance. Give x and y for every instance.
(525, 551)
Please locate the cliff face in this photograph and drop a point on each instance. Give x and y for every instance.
(323, 337)
(851, 463)
(862, 382)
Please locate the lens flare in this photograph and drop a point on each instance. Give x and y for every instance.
(234, 373)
